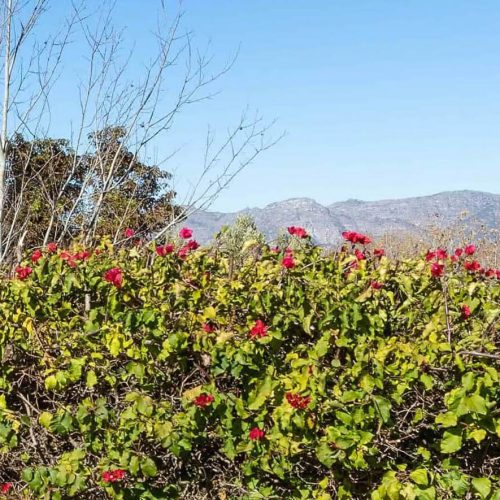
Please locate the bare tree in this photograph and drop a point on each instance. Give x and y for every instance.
(119, 118)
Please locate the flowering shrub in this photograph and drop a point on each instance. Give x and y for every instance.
(167, 372)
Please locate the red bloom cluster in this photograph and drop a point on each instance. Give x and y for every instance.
(491, 273)
(300, 232)
(163, 250)
(23, 272)
(355, 237)
(259, 330)
(208, 327)
(470, 249)
(378, 252)
(465, 310)
(129, 232)
(437, 270)
(298, 401)
(359, 254)
(52, 247)
(185, 233)
(71, 259)
(36, 255)
(376, 285)
(439, 254)
(203, 400)
(112, 476)
(114, 276)
(288, 261)
(188, 247)
(5, 488)
(472, 266)
(256, 434)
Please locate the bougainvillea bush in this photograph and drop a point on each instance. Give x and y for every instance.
(154, 372)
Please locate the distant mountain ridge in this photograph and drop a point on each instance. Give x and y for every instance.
(326, 223)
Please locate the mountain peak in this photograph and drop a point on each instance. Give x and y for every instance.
(326, 223)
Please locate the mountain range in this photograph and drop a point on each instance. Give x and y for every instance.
(325, 223)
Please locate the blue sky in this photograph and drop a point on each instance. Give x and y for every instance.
(379, 99)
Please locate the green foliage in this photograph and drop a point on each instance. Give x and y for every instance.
(360, 391)
(64, 186)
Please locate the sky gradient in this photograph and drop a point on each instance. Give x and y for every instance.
(379, 99)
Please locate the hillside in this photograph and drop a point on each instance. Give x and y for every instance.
(325, 223)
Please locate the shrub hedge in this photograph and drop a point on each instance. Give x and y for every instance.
(137, 373)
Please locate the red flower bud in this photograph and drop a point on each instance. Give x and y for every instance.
(256, 434)
(114, 276)
(259, 330)
(185, 233)
(36, 255)
(203, 400)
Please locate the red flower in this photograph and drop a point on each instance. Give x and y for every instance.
(465, 310)
(52, 247)
(203, 400)
(379, 252)
(129, 232)
(114, 276)
(300, 232)
(470, 249)
(490, 273)
(192, 244)
(259, 330)
(82, 255)
(185, 233)
(441, 254)
(23, 272)
(298, 401)
(376, 285)
(256, 434)
(68, 258)
(5, 488)
(458, 252)
(183, 252)
(288, 261)
(111, 476)
(355, 237)
(165, 249)
(359, 254)
(36, 255)
(454, 258)
(437, 270)
(208, 328)
(472, 266)
(430, 255)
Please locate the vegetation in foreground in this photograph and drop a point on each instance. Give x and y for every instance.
(174, 371)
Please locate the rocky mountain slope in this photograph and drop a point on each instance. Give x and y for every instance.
(326, 223)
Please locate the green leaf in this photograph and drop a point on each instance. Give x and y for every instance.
(420, 477)
(447, 419)
(476, 404)
(482, 485)
(262, 392)
(477, 434)
(148, 467)
(50, 382)
(383, 406)
(452, 441)
(91, 378)
(45, 419)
